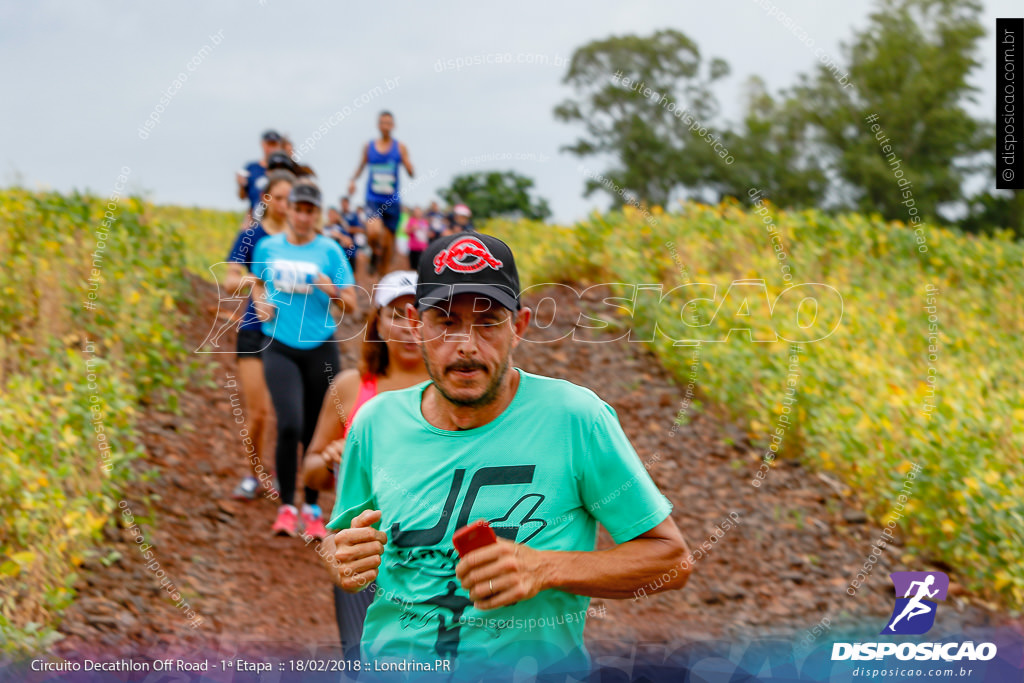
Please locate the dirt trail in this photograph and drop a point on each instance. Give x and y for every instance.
(782, 569)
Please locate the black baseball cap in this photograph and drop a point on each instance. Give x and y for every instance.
(278, 160)
(304, 192)
(467, 262)
(271, 136)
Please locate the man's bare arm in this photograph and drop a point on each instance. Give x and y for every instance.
(405, 160)
(359, 171)
(505, 572)
(620, 571)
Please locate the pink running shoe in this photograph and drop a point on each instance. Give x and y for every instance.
(287, 523)
(314, 525)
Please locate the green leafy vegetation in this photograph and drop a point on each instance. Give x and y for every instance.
(91, 313)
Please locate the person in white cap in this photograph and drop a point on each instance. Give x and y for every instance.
(391, 359)
(460, 222)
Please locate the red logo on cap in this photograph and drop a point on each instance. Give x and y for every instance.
(465, 255)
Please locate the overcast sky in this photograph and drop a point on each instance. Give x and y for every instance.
(81, 78)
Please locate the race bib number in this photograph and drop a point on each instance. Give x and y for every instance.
(383, 179)
(294, 276)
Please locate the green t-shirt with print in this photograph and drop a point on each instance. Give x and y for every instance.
(543, 473)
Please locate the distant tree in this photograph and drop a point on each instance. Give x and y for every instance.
(771, 152)
(643, 126)
(909, 68)
(496, 193)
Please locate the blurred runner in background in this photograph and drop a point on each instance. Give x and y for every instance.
(459, 221)
(252, 179)
(437, 221)
(419, 235)
(337, 229)
(383, 205)
(349, 215)
(351, 218)
(302, 276)
(251, 340)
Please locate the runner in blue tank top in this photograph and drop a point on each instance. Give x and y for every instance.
(383, 200)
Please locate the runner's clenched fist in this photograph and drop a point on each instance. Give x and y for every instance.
(358, 550)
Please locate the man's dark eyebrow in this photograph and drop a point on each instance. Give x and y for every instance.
(495, 316)
(440, 313)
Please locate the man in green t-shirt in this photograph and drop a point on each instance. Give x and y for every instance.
(541, 459)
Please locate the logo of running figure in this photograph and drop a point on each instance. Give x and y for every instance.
(914, 613)
(466, 255)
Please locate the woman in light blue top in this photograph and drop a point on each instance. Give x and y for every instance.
(302, 277)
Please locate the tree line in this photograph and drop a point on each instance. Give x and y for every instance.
(884, 131)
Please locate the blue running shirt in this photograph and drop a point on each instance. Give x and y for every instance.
(303, 319)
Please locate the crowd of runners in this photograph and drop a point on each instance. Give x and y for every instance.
(277, 356)
(367, 232)
(435, 418)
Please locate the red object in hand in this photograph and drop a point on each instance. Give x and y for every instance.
(476, 535)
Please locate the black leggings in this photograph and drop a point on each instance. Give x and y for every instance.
(298, 380)
(350, 613)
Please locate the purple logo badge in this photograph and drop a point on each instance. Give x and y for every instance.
(917, 594)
